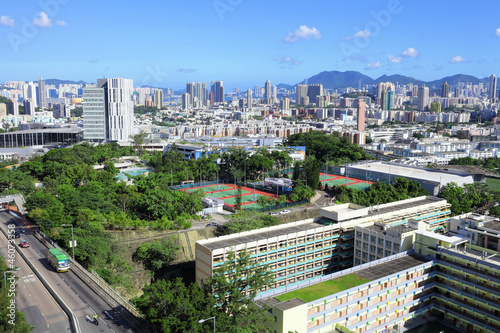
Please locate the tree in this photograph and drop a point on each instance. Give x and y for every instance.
(172, 306)
(156, 255)
(246, 220)
(240, 278)
(138, 140)
(237, 205)
(463, 199)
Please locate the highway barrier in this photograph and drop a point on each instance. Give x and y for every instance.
(101, 288)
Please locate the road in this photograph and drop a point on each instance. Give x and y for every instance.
(75, 293)
(40, 309)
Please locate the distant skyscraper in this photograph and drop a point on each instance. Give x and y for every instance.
(300, 93)
(13, 107)
(31, 92)
(257, 91)
(361, 115)
(159, 99)
(457, 92)
(445, 90)
(201, 94)
(314, 90)
(190, 89)
(211, 97)
(249, 98)
(42, 99)
(3, 109)
(108, 110)
(268, 94)
(274, 95)
(387, 100)
(493, 88)
(423, 98)
(29, 107)
(186, 101)
(60, 111)
(285, 103)
(218, 90)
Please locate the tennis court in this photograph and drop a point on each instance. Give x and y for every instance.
(209, 188)
(227, 192)
(332, 179)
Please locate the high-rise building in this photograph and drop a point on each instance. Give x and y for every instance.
(314, 90)
(95, 118)
(159, 99)
(457, 92)
(108, 110)
(300, 93)
(387, 100)
(217, 88)
(190, 89)
(186, 101)
(493, 88)
(212, 98)
(13, 107)
(361, 115)
(274, 95)
(60, 111)
(268, 92)
(42, 97)
(201, 94)
(31, 92)
(445, 90)
(285, 103)
(249, 98)
(257, 91)
(423, 98)
(3, 109)
(29, 107)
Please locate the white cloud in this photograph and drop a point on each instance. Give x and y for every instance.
(303, 33)
(360, 34)
(457, 59)
(497, 32)
(410, 52)
(6, 21)
(373, 65)
(61, 22)
(287, 60)
(395, 59)
(42, 21)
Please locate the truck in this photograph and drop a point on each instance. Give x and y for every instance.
(58, 260)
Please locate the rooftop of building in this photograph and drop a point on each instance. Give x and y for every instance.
(493, 225)
(391, 267)
(396, 170)
(68, 129)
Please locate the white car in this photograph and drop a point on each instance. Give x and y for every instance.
(285, 211)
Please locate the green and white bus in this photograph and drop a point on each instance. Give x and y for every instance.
(58, 260)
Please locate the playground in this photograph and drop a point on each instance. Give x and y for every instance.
(227, 192)
(332, 179)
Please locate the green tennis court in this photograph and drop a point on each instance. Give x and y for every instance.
(209, 188)
(339, 181)
(244, 199)
(360, 186)
(323, 176)
(227, 193)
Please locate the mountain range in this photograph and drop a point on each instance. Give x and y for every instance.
(336, 79)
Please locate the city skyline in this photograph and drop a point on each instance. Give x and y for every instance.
(243, 43)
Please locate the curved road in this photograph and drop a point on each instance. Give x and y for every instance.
(75, 293)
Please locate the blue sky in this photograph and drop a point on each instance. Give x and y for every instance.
(245, 42)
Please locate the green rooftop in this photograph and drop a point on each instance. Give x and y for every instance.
(323, 289)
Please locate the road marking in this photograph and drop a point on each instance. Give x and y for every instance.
(106, 312)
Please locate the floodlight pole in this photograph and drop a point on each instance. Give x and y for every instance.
(72, 238)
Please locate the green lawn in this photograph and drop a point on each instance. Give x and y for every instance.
(323, 289)
(493, 183)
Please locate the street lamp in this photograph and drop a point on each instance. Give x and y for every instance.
(5, 277)
(204, 320)
(72, 238)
